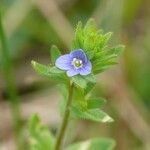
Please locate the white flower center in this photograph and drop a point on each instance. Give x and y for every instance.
(77, 63)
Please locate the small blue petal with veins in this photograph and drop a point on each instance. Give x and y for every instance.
(74, 63)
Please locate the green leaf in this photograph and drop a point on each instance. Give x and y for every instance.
(78, 39)
(91, 81)
(40, 138)
(95, 103)
(91, 114)
(105, 60)
(89, 87)
(64, 92)
(50, 71)
(34, 120)
(90, 27)
(45, 70)
(106, 38)
(94, 144)
(118, 50)
(55, 70)
(90, 35)
(103, 66)
(89, 45)
(41, 69)
(55, 53)
(90, 78)
(80, 81)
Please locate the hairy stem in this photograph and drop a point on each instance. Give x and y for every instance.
(65, 119)
(10, 86)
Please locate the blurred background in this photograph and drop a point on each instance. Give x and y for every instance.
(32, 26)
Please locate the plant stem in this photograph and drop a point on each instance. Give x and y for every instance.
(10, 86)
(65, 119)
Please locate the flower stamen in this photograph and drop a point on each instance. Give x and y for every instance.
(77, 63)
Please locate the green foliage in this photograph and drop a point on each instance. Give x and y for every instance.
(50, 71)
(88, 108)
(84, 81)
(106, 59)
(39, 137)
(95, 103)
(64, 92)
(90, 114)
(79, 81)
(94, 144)
(95, 44)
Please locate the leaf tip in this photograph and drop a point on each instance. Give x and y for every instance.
(33, 63)
(107, 119)
(53, 46)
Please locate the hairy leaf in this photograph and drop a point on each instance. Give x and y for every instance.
(91, 114)
(79, 81)
(95, 44)
(50, 72)
(95, 103)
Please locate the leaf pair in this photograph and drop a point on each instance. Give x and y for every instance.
(90, 110)
(40, 138)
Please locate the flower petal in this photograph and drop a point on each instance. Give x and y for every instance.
(86, 69)
(79, 54)
(72, 72)
(64, 62)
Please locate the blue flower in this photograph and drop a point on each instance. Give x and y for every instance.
(74, 63)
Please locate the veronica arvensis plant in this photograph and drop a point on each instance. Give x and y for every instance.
(76, 71)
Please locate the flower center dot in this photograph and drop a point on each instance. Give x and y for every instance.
(77, 63)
